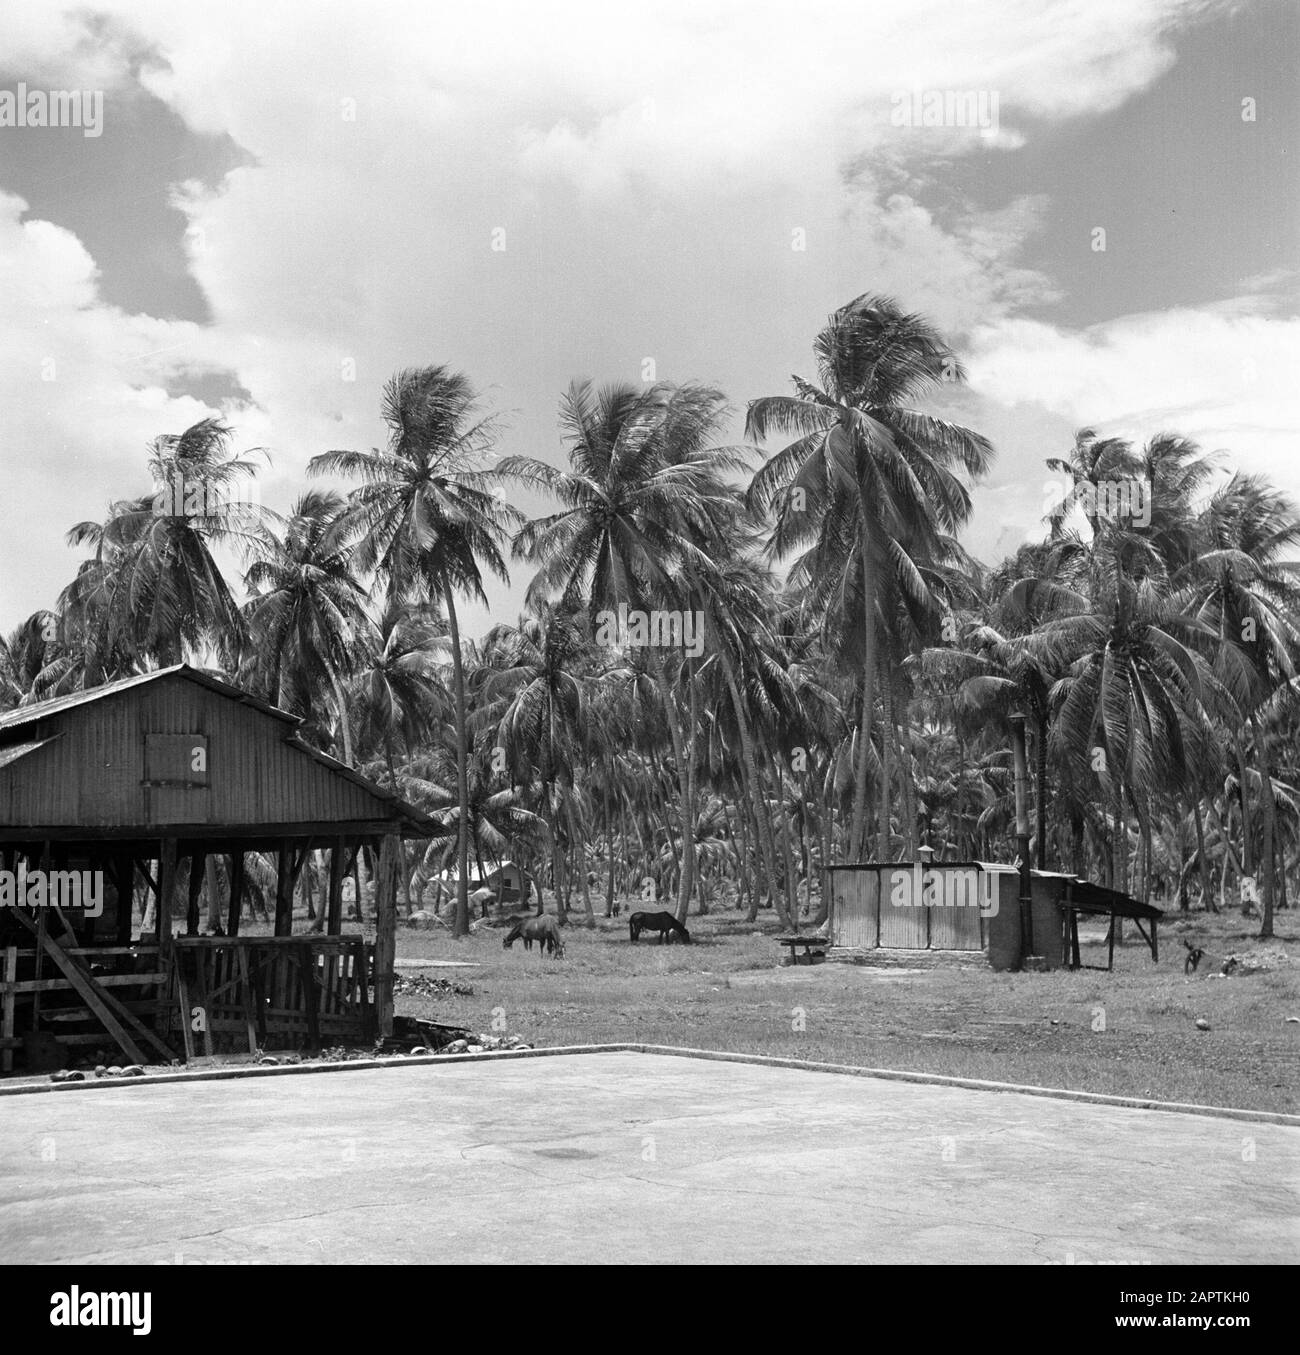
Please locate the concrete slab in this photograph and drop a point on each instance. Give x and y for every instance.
(619, 1157)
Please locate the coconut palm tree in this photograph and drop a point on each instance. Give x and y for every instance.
(867, 469)
(534, 697)
(396, 691)
(306, 617)
(1241, 585)
(426, 523)
(1134, 703)
(641, 502)
(153, 592)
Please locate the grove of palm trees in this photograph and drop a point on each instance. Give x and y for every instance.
(838, 676)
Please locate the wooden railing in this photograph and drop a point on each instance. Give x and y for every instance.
(24, 1006)
(284, 992)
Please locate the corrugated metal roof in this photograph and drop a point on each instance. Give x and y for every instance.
(10, 755)
(42, 710)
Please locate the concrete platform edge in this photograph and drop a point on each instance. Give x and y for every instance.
(716, 1055)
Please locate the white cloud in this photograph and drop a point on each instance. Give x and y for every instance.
(648, 165)
(1222, 376)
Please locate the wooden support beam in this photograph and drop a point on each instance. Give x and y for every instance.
(258, 990)
(310, 995)
(166, 889)
(284, 889)
(236, 892)
(246, 993)
(386, 931)
(362, 977)
(338, 865)
(185, 1003)
(7, 1012)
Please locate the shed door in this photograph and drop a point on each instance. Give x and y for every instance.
(854, 900)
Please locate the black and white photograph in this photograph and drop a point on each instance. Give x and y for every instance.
(649, 634)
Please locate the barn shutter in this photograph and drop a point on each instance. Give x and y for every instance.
(177, 778)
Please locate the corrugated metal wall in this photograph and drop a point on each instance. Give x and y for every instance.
(864, 915)
(92, 775)
(901, 928)
(854, 895)
(955, 929)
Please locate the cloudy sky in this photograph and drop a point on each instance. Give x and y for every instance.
(288, 202)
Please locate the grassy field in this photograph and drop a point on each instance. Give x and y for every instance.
(1131, 1032)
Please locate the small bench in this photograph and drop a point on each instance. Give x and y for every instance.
(814, 948)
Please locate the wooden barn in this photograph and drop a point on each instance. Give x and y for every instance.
(132, 790)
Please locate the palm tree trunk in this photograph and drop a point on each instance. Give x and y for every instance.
(857, 837)
(790, 914)
(683, 775)
(902, 734)
(964, 848)
(609, 843)
(805, 859)
(1040, 793)
(1270, 823)
(884, 826)
(689, 812)
(461, 925)
(1207, 890)
(345, 725)
(1247, 834)
(578, 836)
(1119, 838)
(763, 829)
(1238, 864)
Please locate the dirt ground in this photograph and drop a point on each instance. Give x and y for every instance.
(1131, 1032)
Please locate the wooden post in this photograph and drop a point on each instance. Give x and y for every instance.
(1020, 765)
(311, 995)
(166, 888)
(196, 888)
(7, 1022)
(334, 914)
(386, 930)
(284, 889)
(236, 892)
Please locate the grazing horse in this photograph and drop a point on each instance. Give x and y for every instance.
(663, 923)
(543, 929)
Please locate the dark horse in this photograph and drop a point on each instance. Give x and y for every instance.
(543, 929)
(663, 923)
